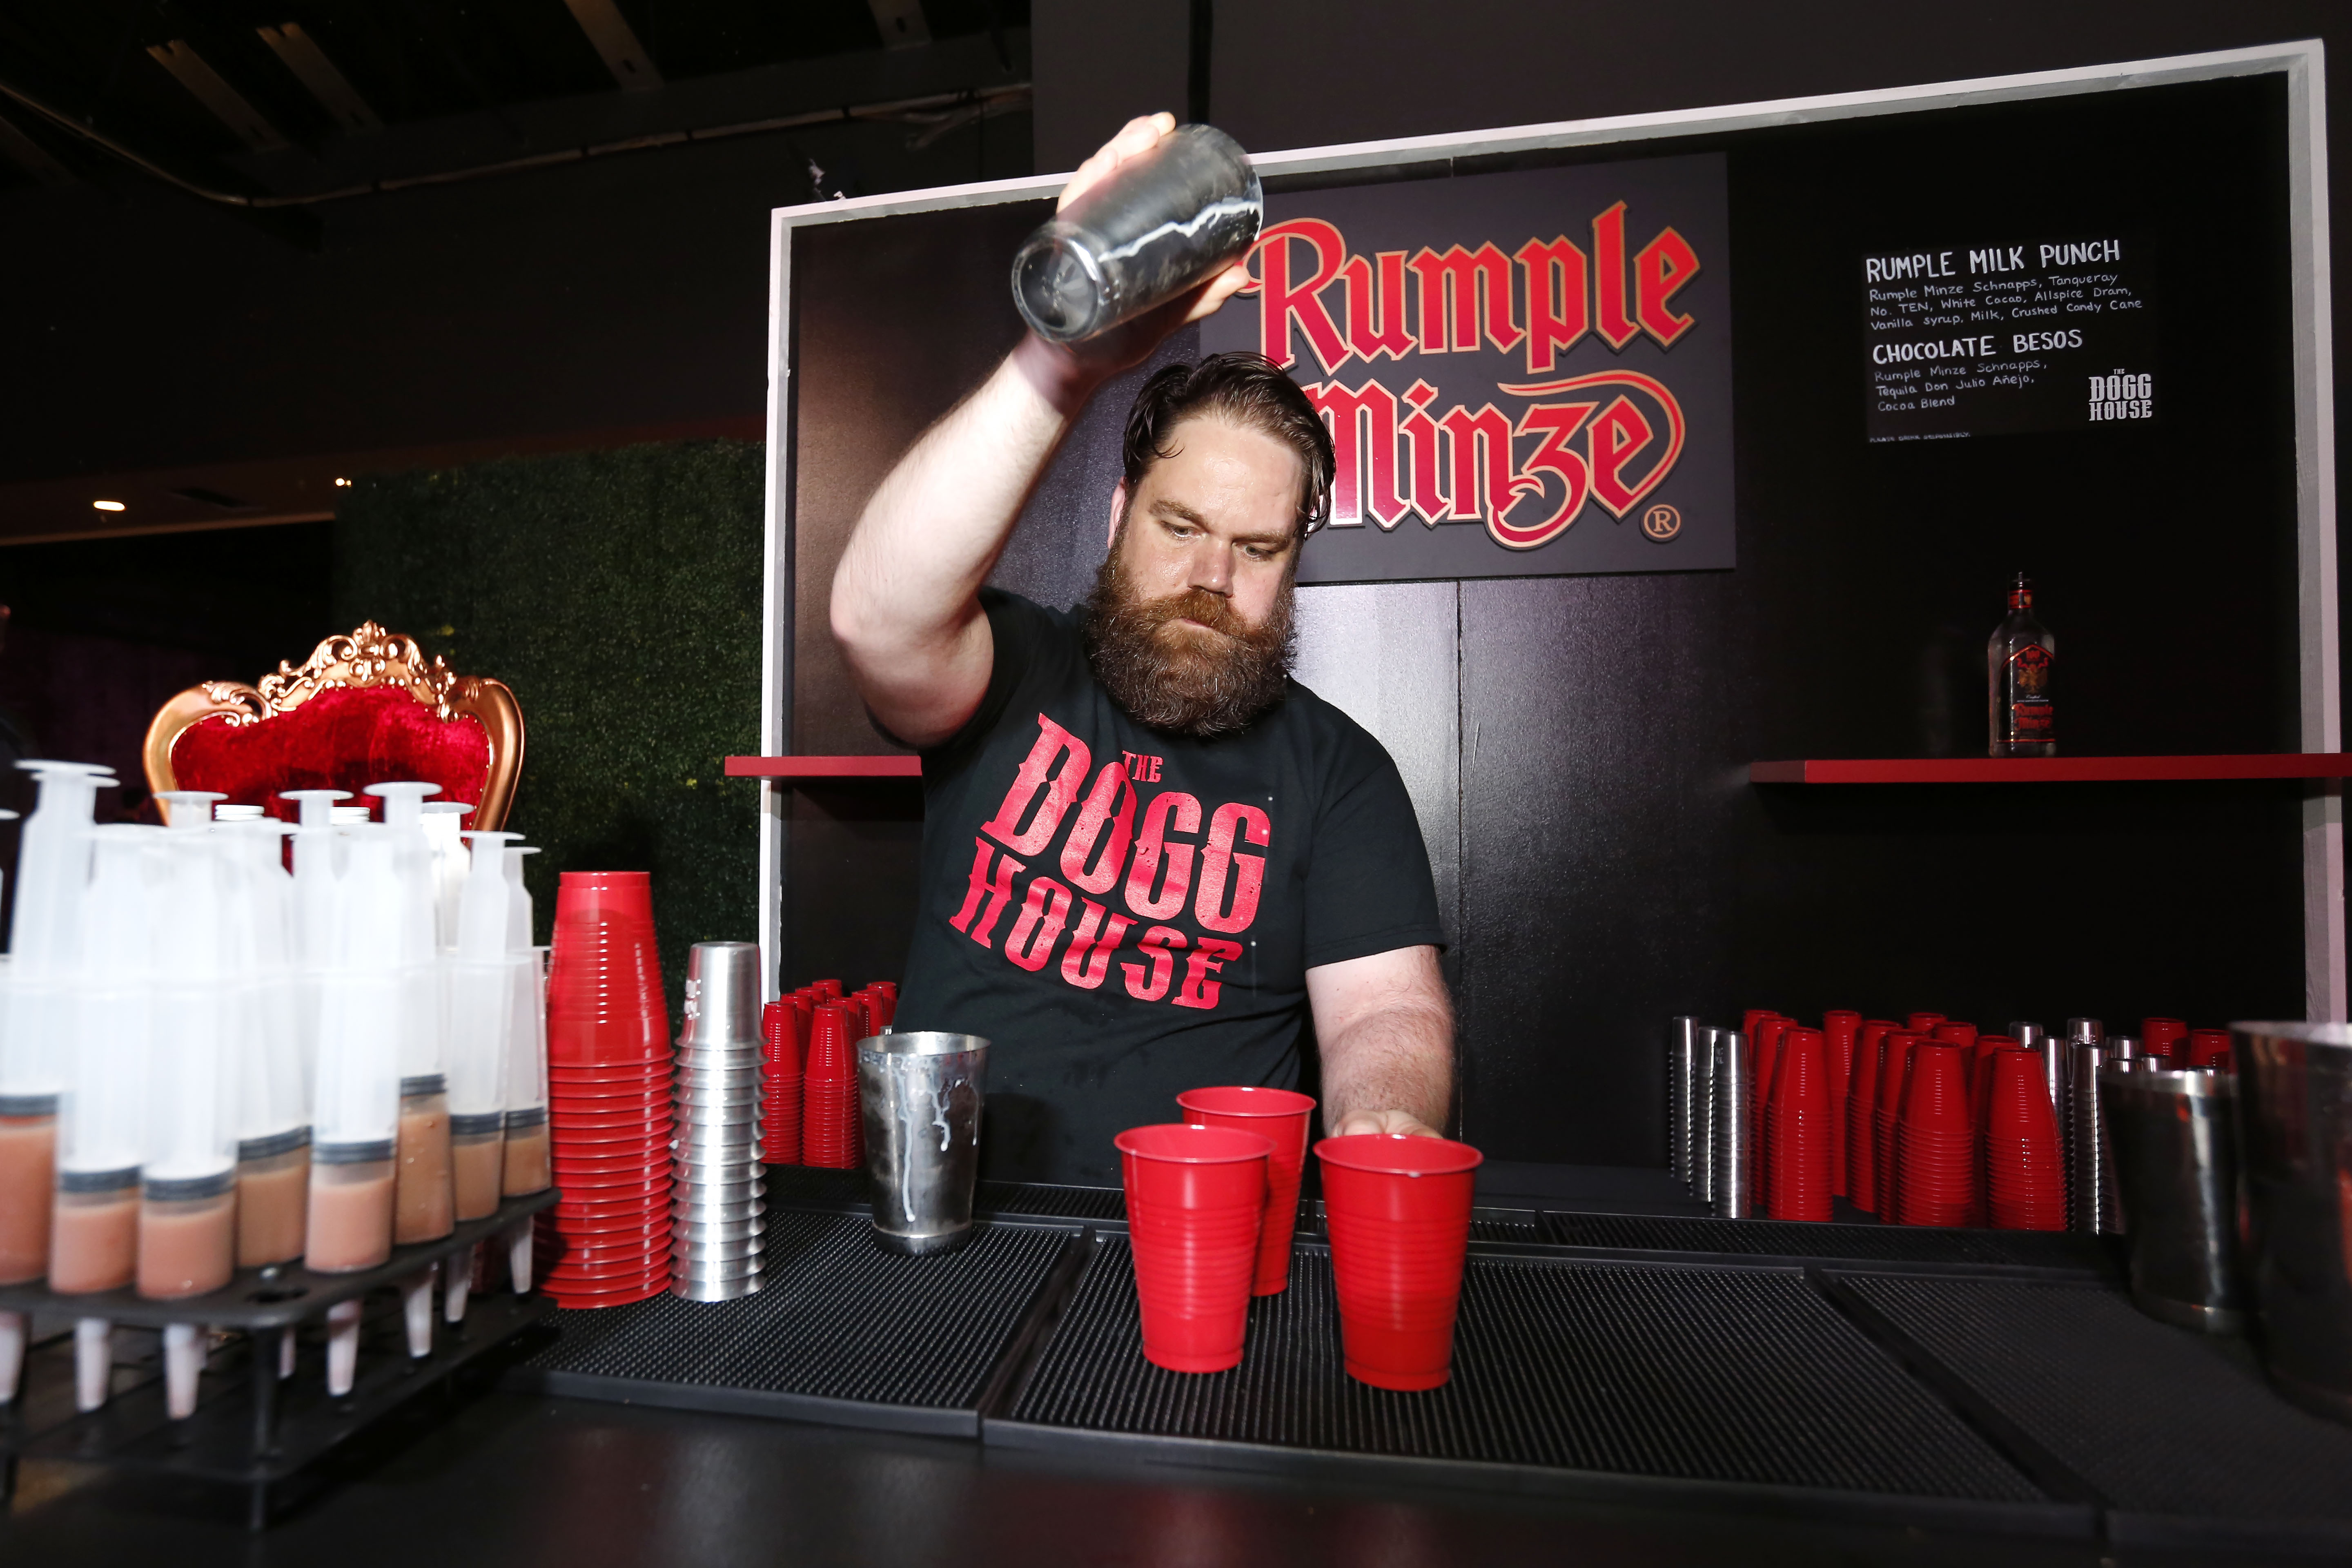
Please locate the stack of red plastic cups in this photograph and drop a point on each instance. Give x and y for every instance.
(1764, 1044)
(1893, 1069)
(1798, 1129)
(1935, 1167)
(608, 1055)
(830, 1136)
(780, 1126)
(881, 999)
(1862, 1115)
(2210, 1048)
(1841, 1033)
(2025, 1174)
(2167, 1038)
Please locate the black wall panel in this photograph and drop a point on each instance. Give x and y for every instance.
(1610, 865)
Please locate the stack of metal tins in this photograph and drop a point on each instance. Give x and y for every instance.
(715, 1198)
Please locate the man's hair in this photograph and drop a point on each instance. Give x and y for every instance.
(1246, 389)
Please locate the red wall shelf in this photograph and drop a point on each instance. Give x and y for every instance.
(825, 767)
(2051, 770)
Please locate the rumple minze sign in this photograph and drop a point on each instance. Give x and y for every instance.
(2047, 333)
(1525, 375)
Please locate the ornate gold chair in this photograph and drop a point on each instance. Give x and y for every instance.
(363, 709)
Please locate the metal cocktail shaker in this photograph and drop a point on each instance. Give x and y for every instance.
(2177, 1177)
(1686, 1037)
(920, 1095)
(717, 1244)
(1735, 1125)
(1164, 222)
(2295, 1154)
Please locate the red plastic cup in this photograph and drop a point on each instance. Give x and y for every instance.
(1935, 1170)
(781, 1127)
(1798, 1126)
(1765, 1046)
(2210, 1048)
(1280, 1116)
(783, 1037)
(1753, 1016)
(1954, 1033)
(1893, 1069)
(881, 1005)
(1840, 1032)
(604, 1001)
(1924, 1023)
(1862, 1115)
(1397, 1210)
(2025, 1176)
(826, 990)
(2166, 1038)
(830, 1138)
(577, 1130)
(1195, 1195)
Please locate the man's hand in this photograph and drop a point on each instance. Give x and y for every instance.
(1394, 1123)
(1385, 1027)
(906, 597)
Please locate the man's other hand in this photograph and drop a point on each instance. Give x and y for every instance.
(1395, 1124)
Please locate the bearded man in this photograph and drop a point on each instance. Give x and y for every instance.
(1151, 861)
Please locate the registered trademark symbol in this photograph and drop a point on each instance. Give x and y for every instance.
(1662, 522)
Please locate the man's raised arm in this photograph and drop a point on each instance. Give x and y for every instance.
(906, 598)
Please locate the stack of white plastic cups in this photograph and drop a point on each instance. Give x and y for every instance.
(202, 1011)
(528, 1167)
(52, 870)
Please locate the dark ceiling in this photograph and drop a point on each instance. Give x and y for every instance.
(147, 74)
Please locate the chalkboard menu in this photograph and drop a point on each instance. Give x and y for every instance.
(2039, 333)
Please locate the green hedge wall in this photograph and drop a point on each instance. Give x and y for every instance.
(618, 594)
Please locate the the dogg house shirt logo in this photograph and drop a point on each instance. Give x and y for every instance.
(1071, 852)
(1526, 373)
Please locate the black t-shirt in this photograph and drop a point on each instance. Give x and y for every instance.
(1126, 913)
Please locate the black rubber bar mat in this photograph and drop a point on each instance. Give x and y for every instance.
(842, 1333)
(1853, 1243)
(1595, 1377)
(2178, 1434)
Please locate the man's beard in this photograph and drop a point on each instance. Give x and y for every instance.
(1182, 679)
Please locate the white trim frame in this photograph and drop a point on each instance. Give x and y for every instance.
(2302, 63)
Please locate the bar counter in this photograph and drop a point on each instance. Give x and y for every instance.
(1632, 1382)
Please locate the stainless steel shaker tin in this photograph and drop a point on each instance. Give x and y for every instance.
(2176, 1183)
(2295, 1161)
(920, 1096)
(1158, 225)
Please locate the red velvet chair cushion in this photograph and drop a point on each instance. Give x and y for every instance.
(344, 738)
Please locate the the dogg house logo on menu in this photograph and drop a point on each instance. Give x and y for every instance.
(1610, 437)
(1523, 374)
(1068, 854)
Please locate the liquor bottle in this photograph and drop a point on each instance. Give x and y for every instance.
(2017, 681)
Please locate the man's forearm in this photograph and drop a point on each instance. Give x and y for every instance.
(1399, 1058)
(907, 585)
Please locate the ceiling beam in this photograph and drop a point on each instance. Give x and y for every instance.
(207, 86)
(614, 40)
(311, 66)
